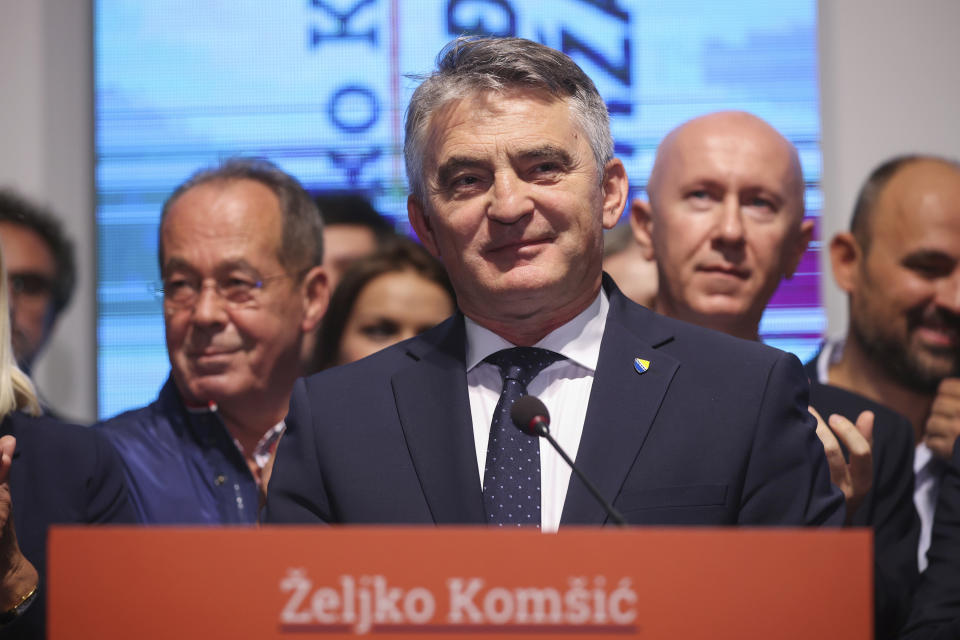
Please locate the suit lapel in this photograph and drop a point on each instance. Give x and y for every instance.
(434, 411)
(623, 404)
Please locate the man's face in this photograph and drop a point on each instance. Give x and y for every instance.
(905, 303)
(31, 271)
(726, 221)
(344, 244)
(229, 234)
(515, 206)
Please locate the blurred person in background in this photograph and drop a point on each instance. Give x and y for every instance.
(398, 292)
(352, 229)
(627, 263)
(936, 603)
(900, 266)
(41, 273)
(50, 473)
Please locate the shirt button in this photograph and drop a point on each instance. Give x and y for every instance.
(220, 479)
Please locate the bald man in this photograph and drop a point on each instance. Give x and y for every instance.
(725, 223)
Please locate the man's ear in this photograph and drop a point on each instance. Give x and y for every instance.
(615, 188)
(316, 298)
(800, 244)
(641, 222)
(845, 257)
(420, 222)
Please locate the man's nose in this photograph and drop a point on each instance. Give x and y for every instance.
(210, 307)
(729, 227)
(509, 198)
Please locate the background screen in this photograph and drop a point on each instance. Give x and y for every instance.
(320, 88)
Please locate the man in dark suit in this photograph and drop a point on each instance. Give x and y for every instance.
(936, 606)
(725, 222)
(513, 181)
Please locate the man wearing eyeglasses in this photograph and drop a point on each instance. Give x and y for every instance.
(41, 271)
(240, 248)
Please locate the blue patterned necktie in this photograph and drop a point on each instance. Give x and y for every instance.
(511, 477)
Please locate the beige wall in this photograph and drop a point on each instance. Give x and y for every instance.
(889, 85)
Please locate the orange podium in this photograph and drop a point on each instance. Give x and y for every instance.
(395, 582)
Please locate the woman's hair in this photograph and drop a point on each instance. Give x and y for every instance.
(16, 390)
(397, 255)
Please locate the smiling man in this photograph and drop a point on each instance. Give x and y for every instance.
(513, 180)
(240, 252)
(900, 267)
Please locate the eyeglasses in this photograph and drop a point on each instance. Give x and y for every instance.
(183, 291)
(30, 284)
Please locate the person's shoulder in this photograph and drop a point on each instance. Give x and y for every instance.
(62, 445)
(132, 422)
(888, 424)
(693, 343)
(44, 428)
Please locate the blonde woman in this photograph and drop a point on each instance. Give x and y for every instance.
(50, 473)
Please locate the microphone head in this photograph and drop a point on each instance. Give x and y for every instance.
(530, 415)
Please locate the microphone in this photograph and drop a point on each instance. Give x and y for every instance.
(530, 415)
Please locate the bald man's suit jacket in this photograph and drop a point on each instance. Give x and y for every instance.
(715, 432)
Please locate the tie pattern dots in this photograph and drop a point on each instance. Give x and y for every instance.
(511, 477)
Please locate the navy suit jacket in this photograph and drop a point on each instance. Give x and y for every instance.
(61, 474)
(936, 604)
(888, 506)
(716, 432)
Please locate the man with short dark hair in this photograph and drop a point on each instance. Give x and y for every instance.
(240, 249)
(513, 180)
(352, 229)
(900, 267)
(725, 223)
(41, 273)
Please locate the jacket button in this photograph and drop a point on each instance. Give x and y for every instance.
(220, 479)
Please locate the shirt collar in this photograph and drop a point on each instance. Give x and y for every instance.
(577, 340)
(830, 354)
(268, 444)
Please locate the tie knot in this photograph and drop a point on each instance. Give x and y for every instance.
(522, 363)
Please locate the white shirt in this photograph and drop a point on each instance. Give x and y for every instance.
(564, 387)
(927, 470)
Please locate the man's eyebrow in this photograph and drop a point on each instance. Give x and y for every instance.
(547, 151)
(176, 264)
(455, 163)
(241, 264)
(929, 255)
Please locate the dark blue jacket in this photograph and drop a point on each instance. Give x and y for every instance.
(61, 474)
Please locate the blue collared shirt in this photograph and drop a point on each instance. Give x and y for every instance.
(182, 465)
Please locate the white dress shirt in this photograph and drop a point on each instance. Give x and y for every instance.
(927, 470)
(564, 387)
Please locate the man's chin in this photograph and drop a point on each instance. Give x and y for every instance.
(934, 364)
(203, 389)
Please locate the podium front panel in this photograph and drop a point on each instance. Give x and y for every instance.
(295, 583)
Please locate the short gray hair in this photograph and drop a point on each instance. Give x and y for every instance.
(470, 65)
(302, 244)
